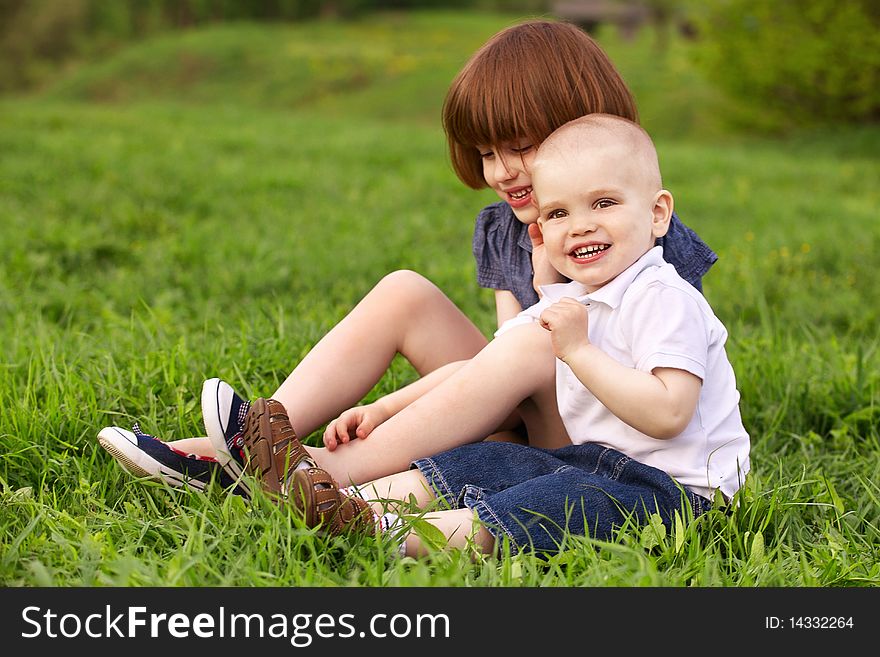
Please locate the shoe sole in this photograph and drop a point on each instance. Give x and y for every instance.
(214, 397)
(140, 464)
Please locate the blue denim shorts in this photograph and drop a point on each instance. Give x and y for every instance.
(532, 496)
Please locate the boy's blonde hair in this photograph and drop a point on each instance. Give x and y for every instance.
(525, 82)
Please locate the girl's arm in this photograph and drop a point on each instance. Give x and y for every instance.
(545, 274)
(396, 401)
(359, 422)
(506, 306)
(660, 403)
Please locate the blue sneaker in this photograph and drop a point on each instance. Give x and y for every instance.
(147, 456)
(224, 413)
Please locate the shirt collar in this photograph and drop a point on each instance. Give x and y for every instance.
(611, 293)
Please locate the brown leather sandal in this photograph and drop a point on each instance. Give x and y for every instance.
(271, 445)
(318, 499)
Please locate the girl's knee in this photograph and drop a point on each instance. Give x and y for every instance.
(408, 286)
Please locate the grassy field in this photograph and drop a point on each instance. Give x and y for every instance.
(209, 204)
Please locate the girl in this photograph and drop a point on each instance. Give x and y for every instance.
(522, 84)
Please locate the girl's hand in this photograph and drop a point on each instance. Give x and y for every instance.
(357, 422)
(568, 323)
(545, 274)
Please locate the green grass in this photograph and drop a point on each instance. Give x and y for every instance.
(160, 228)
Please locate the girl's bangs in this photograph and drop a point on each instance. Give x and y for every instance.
(502, 116)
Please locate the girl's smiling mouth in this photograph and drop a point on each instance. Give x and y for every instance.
(519, 197)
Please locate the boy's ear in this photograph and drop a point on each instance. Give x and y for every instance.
(661, 213)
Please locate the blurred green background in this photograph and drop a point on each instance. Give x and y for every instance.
(780, 64)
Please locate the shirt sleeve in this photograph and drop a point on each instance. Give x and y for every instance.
(489, 247)
(685, 251)
(666, 328)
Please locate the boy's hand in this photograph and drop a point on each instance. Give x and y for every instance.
(357, 422)
(568, 323)
(545, 274)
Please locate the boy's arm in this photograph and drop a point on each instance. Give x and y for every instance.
(660, 403)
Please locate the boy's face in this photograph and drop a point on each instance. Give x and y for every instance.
(598, 211)
(506, 171)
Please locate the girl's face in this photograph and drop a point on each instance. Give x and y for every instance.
(506, 170)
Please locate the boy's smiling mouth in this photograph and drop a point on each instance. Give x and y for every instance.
(587, 252)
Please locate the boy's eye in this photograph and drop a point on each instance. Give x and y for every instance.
(603, 203)
(557, 214)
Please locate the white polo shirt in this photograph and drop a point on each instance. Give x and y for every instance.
(649, 317)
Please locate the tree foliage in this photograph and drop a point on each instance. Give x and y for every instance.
(803, 62)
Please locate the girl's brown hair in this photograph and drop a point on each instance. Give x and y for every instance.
(525, 82)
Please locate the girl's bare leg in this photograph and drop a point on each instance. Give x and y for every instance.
(403, 314)
(515, 372)
(198, 445)
(460, 526)
(462, 530)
